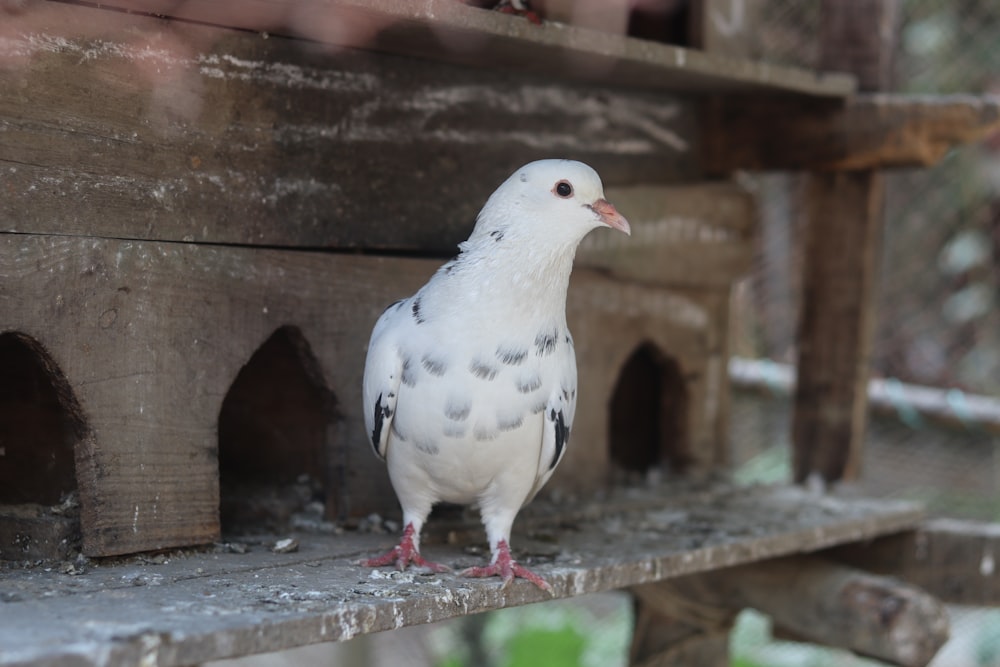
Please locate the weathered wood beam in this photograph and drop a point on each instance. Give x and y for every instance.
(816, 600)
(835, 323)
(450, 31)
(247, 140)
(208, 606)
(841, 261)
(954, 560)
(662, 641)
(879, 131)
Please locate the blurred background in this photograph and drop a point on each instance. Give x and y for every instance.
(938, 326)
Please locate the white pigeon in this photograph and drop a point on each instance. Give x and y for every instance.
(470, 384)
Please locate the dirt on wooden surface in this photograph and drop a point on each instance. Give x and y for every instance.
(252, 595)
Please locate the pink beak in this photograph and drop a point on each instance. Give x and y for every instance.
(610, 216)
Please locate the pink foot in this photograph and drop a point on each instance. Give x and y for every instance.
(505, 566)
(404, 554)
(508, 7)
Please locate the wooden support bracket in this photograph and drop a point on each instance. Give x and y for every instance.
(870, 131)
(952, 559)
(814, 599)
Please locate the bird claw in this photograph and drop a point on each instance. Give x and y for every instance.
(507, 569)
(403, 555)
(508, 7)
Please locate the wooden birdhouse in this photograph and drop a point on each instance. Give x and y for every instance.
(203, 213)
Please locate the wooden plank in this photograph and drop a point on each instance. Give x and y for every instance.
(877, 131)
(841, 259)
(453, 32)
(274, 142)
(953, 559)
(194, 607)
(698, 235)
(816, 600)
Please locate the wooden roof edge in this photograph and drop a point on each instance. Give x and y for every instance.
(451, 31)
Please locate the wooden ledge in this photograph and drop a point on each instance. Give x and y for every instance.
(450, 31)
(193, 607)
(880, 131)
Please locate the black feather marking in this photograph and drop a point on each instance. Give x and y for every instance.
(497, 235)
(409, 378)
(512, 356)
(382, 412)
(526, 385)
(394, 304)
(434, 366)
(569, 339)
(482, 371)
(509, 424)
(523, 177)
(562, 435)
(545, 343)
(416, 311)
(456, 411)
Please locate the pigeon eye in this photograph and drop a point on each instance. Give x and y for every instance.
(563, 189)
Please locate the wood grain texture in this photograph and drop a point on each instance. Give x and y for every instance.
(271, 141)
(453, 32)
(870, 131)
(232, 604)
(150, 336)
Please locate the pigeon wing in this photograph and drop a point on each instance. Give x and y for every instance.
(383, 372)
(559, 412)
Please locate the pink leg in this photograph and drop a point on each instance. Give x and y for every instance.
(505, 567)
(508, 8)
(405, 554)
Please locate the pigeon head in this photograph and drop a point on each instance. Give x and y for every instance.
(550, 201)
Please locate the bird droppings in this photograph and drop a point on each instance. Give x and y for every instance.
(285, 546)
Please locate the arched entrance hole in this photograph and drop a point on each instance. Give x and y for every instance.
(649, 412)
(276, 438)
(40, 425)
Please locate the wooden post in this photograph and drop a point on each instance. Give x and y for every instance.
(842, 247)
